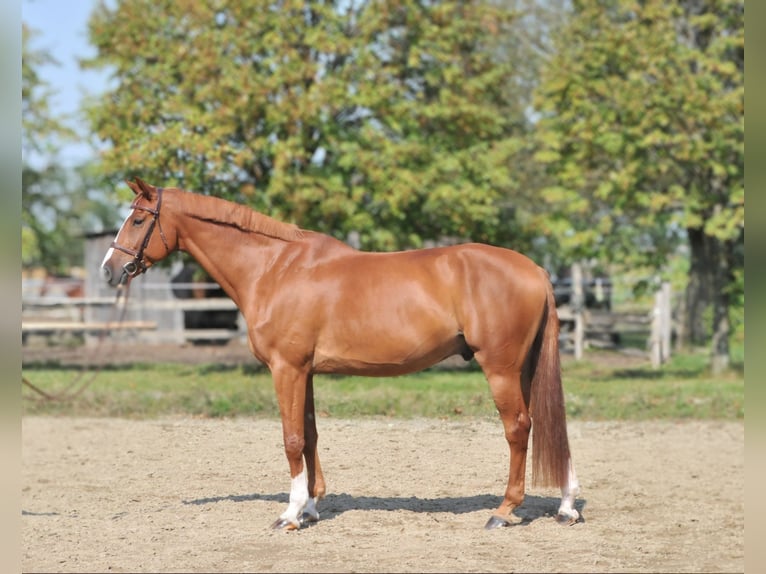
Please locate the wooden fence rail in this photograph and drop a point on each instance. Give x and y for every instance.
(212, 304)
(53, 316)
(581, 327)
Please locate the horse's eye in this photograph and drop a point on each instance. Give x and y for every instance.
(138, 221)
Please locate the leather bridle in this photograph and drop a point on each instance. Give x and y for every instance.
(139, 263)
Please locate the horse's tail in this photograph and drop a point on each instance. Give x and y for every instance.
(550, 444)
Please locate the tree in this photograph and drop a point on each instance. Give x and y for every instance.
(642, 133)
(59, 203)
(394, 120)
(42, 234)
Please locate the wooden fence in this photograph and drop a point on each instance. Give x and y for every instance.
(651, 328)
(59, 317)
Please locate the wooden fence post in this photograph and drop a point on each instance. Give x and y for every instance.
(578, 304)
(666, 322)
(659, 339)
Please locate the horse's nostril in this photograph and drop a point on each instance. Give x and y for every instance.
(106, 274)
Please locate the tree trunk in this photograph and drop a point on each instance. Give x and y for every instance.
(699, 292)
(710, 281)
(722, 281)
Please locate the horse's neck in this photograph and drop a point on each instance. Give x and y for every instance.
(235, 259)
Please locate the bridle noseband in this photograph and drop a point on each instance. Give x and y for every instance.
(139, 263)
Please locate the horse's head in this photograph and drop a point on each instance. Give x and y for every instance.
(141, 241)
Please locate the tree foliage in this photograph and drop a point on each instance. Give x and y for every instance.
(59, 203)
(395, 120)
(38, 122)
(43, 235)
(642, 132)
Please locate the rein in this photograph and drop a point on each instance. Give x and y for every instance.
(68, 393)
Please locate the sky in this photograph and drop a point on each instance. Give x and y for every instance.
(61, 29)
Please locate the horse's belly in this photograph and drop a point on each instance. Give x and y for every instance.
(377, 357)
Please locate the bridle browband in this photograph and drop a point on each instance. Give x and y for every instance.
(139, 263)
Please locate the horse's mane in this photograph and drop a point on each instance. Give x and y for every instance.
(216, 210)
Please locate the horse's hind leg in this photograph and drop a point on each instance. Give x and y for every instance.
(316, 484)
(513, 409)
(567, 513)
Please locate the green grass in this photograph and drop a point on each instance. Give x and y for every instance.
(680, 390)
(594, 391)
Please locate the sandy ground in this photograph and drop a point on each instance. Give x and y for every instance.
(192, 495)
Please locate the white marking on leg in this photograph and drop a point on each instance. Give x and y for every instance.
(568, 494)
(299, 497)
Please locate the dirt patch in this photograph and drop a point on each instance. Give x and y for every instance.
(181, 494)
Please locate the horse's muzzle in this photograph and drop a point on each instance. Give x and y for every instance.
(111, 278)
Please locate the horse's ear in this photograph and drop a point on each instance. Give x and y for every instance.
(140, 187)
(133, 186)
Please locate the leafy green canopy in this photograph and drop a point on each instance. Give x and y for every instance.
(394, 120)
(642, 128)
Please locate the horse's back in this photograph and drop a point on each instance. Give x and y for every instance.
(442, 279)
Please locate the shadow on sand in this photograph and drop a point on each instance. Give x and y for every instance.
(333, 505)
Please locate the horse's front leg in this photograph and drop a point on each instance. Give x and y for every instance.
(316, 483)
(290, 387)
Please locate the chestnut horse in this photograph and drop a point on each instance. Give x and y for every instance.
(315, 305)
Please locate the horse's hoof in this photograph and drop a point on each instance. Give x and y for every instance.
(284, 524)
(496, 522)
(566, 519)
